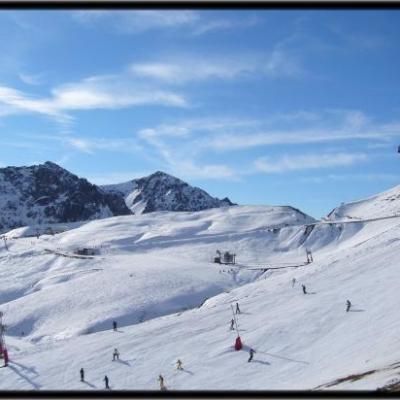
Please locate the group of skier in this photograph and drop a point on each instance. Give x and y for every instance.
(232, 327)
(179, 366)
(179, 362)
(348, 302)
(237, 311)
(82, 374)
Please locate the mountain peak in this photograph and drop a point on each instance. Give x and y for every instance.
(50, 164)
(47, 193)
(160, 173)
(163, 192)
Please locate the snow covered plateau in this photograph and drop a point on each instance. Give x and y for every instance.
(154, 273)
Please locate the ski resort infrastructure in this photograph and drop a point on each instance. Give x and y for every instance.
(154, 275)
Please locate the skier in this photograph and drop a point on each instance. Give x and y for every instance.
(237, 308)
(106, 382)
(5, 356)
(115, 355)
(179, 365)
(348, 305)
(161, 380)
(304, 289)
(251, 352)
(115, 325)
(82, 373)
(293, 282)
(232, 324)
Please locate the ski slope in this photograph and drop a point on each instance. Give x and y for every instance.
(147, 266)
(154, 275)
(384, 204)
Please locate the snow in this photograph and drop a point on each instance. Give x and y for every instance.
(382, 205)
(155, 276)
(125, 188)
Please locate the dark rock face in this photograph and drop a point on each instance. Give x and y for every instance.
(163, 192)
(47, 193)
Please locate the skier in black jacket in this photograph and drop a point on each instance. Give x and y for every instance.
(251, 352)
(237, 308)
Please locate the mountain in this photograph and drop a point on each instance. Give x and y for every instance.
(47, 193)
(163, 192)
(384, 204)
(154, 274)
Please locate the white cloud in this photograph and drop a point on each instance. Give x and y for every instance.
(138, 21)
(190, 127)
(31, 79)
(298, 127)
(16, 101)
(98, 92)
(181, 160)
(192, 170)
(89, 146)
(240, 141)
(182, 72)
(180, 145)
(206, 26)
(303, 128)
(286, 163)
(195, 144)
(112, 92)
(192, 68)
(80, 144)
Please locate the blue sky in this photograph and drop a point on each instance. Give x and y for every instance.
(280, 107)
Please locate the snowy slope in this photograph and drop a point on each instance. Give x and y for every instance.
(381, 205)
(163, 192)
(302, 341)
(153, 266)
(148, 265)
